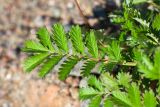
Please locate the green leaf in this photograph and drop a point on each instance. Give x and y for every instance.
(95, 101)
(149, 69)
(87, 93)
(149, 99)
(139, 1)
(44, 38)
(94, 82)
(48, 65)
(138, 55)
(33, 46)
(76, 37)
(142, 22)
(92, 44)
(156, 68)
(124, 79)
(109, 82)
(121, 98)
(67, 66)
(60, 37)
(87, 67)
(114, 52)
(158, 89)
(156, 22)
(108, 103)
(134, 95)
(31, 62)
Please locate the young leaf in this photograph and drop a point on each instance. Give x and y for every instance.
(134, 95)
(92, 44)
(48, 65)
(76, 37)
(31, 62)
(156, 22)
(93, 81)
(149, 99)
(44, 38)
(66, 67)
(87, 67)
(87, 93)
(60, 37)
(33, 46)
(95, 101)
(114, 52)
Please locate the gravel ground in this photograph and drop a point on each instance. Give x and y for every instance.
(19, 21)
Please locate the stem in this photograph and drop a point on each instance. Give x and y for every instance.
(129, 64)
(154, 4)
(81, 12)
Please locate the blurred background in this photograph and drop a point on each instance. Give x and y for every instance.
(19, 20)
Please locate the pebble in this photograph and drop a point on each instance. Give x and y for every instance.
(70, 5)
(56, 12)
(38, 21)
(19, 23)
(6, 104)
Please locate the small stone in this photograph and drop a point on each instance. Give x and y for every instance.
(8, 76)
(70, 5)
(92, 22)
(51, 2)
(6, 104)
(65, 91)
(74, 93)
(38, 21)
(2, 93)
(83, 83)
(56, 12)
(69, 81)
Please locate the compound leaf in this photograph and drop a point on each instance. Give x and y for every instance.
(48, 65)
(87, 67)
(87, 93)
(149, 69)
(31, 62)
(92, 44)
(156, 22)
(33, 46)
(95, 101)
(108, 103)
(67, 66)
(149, 99)
(114, 52)
(76, 37)
(94, 82)
(60, 37)
(124, 79)
(44, 38)
(134, 95)
(109, 82)
(121, 98)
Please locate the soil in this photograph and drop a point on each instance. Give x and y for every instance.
(19, 21)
